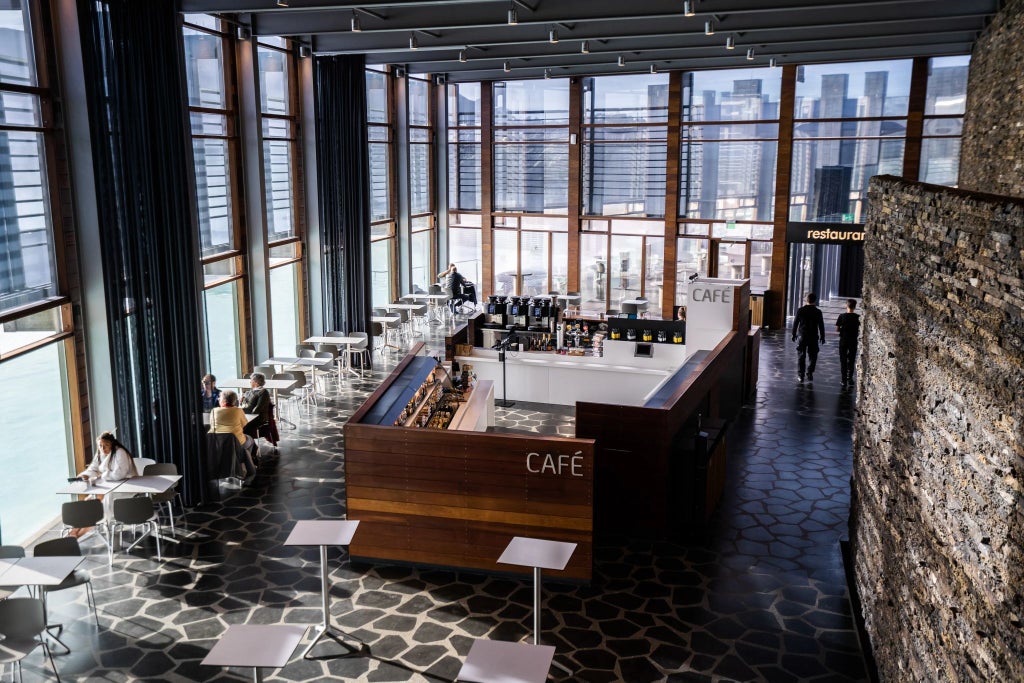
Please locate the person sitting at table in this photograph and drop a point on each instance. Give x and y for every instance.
(210, 393)
(228, 418)
(257, 402)
(453, 282)
(112, 462)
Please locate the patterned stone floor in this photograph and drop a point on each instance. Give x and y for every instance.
(764, 599)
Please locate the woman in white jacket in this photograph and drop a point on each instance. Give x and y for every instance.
(112, 461)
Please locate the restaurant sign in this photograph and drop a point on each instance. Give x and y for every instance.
(825, 233)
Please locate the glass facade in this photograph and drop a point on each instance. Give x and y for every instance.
(380, 142)
(944, 107)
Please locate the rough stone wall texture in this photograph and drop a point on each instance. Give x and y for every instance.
(938, 515)
(992, 153)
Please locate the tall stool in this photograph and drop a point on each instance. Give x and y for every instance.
(538, 554)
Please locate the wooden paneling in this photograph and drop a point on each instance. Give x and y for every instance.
(915, 118)
(486, 190)
(575, 182)
(457, 498)
(668, 288)
(639, 457)
(775, 304)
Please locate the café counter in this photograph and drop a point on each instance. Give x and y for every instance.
(455, 497)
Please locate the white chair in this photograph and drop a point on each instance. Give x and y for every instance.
(361, 348)
(142, 463)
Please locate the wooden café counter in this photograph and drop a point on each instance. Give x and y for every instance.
(445, 492)
(454, 497)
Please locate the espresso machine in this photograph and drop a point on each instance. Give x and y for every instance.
(494, 312)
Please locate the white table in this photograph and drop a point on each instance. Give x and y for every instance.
(149, 484)
(496, 661)
(274, 385)
(313, 363)
(40, 571)
(347, 341)
(98, 487)
(538, 554)
(206, 418)
(412, 308)
(323, 533)
(256, 646)
(386, 320)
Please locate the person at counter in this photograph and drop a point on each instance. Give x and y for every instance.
(808, 328)
(210, 393)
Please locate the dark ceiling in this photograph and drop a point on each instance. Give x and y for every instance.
(642, 32)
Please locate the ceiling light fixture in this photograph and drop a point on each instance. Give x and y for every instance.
(513, 16)
(622, 61)
(547, 73)
(413, 43)
(462, 56)
(553, 36)
(282, 3)
(730, 43)
(750, 54)
(585, 47)
(356, 26)
(688, 8)
(709, 28)
(505, 67)
(772, 63)
(654, 69)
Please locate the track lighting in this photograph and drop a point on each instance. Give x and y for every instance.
(709, 28)
(505, 67)
(622, 61)
(243, 32)
(750, 54)
(553, 36)
(305, 51)
(772, 63)
(654, 69)
(688, 8)
(585, 47)
(282, 3)
(547, 73)
(462, 56)
(513, 16)
(730, 43)
(356, 26)
(413, 43)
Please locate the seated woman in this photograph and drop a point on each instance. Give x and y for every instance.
(228, 418)
(112, 462)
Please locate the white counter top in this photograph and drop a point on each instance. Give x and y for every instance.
(541, 377)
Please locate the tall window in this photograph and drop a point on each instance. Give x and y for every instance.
(728, 144)
(36, 347)
(944, 119)
(380, 137)
(531, 146)
(421, 182)
(625, 130)
(279, 128)
(464, 179)
(212, 113)
(851, 125)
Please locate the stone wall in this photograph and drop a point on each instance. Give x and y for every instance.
(937, 523)
(992, 154)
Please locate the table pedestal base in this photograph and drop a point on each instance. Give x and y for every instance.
(338, 637)
(536, 619)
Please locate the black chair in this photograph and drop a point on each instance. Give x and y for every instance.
(23, 627)
(224, 455)
(82, 514)
(137, 512)
(170, 495)
(67, 547)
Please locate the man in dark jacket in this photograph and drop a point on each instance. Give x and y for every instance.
(848, 325)
(808, 329)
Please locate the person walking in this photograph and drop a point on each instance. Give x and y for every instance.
(808, 329)
(848, 325)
